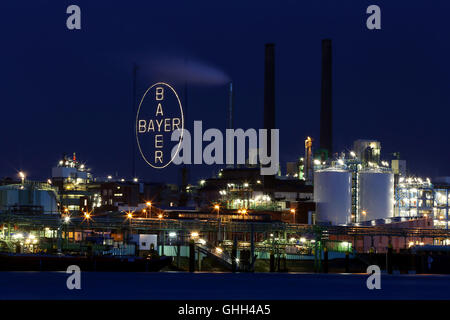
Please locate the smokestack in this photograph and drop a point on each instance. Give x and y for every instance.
(134, 109)
(230, 107)
(326, 111)
(230, 124)
(269, 88)
(269, 102)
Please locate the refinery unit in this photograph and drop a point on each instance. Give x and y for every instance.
(348, 202)
(348, 190)
(354, 188)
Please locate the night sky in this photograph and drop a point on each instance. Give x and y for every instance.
(69, 91)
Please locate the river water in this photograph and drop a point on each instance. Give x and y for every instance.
(185, 286)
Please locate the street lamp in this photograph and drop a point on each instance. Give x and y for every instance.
(194, 234)
(129, 215)
(22, 176)
(87, 216)
(364, 212)
(217, 207)
(149, 205)
(160, 217)
(293, 212)
(219, 233)
(66, 215)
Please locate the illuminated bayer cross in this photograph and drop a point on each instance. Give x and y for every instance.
(159, 114)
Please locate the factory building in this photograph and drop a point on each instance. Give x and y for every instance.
(117, 195)
(399, 167)
(417, 197)
(295, 169)
(414, 197)
(72, 179)
(241, 190)
(80, 192)
(441, 203)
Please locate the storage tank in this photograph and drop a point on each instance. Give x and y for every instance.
(333, 195)
(28, 198)
(375, 195)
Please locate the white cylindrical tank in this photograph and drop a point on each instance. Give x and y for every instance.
(333, 195)
(17, 195)
(375, 195)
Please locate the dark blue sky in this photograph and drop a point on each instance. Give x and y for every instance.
(65, 91)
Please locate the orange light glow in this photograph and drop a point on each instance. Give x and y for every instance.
(87, 215)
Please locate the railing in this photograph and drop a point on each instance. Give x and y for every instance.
(209, 249)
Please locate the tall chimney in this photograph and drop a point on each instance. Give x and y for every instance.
(230, 124)
(133, 156)
(230, 106)
(269, 88)
(326, 111)
(269, 102)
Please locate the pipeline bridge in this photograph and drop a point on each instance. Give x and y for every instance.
(148, 225)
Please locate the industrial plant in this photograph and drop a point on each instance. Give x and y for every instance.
(330, 211)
